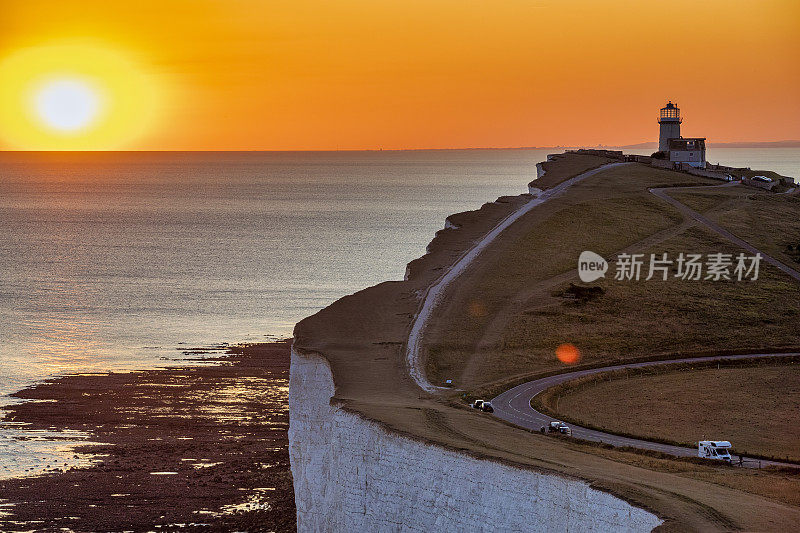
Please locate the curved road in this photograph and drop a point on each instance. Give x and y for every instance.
(514, 406)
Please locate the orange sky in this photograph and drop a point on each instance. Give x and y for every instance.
(350, 74)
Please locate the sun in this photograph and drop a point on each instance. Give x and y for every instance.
(74, 97)
(67, 105)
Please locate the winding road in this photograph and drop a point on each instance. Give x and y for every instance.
(514, 406)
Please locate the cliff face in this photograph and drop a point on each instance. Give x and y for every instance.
(351, 474)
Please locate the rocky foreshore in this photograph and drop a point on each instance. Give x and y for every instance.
(191, 448)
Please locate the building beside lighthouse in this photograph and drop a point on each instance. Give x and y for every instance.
(679, 150)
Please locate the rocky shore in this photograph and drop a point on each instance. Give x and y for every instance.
(192, 448)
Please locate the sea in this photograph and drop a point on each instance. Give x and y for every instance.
(129, 260)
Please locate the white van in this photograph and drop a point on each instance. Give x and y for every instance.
(714, 449)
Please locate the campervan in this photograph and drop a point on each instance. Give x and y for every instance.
(714, 449)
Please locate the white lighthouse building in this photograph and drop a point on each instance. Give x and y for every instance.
(670, 121)
(679, 150)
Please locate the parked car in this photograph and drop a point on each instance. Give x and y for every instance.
(477, 404)
(556, 426)
(762, 178)
(487, 406)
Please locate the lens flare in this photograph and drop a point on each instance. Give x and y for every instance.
(568, 354)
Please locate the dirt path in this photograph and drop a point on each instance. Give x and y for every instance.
(713, 226)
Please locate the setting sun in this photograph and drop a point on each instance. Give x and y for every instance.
(67, 105)
(73, 97)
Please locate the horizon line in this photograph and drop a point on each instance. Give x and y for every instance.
(630, 146)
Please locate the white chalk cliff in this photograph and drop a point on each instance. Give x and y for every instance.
(353, 475)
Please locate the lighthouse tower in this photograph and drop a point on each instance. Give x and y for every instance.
(670, 121)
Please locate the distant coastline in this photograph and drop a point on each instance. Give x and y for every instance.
(743, 144)
(638, 146)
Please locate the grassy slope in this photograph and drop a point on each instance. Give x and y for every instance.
(633, 319)
(567, 166)
(605, 214)
(769, 221)
(362, 336)
(753, 407)
(636, 319)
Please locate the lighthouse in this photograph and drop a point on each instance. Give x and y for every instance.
(670, 121)
(682, 152)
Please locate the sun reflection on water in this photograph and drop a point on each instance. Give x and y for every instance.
(26, 452)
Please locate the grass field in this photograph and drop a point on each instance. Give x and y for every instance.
(703, 201)
(652, 318)
(508, 319)
(769, 221)
(570, 232)
(754, 407)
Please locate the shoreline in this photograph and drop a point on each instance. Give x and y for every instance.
(190, 447)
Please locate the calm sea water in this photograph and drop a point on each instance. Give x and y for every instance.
(115, 261)
(122, 260)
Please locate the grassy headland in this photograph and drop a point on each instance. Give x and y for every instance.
(502, 319)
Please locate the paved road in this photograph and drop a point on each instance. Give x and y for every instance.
(514, 405)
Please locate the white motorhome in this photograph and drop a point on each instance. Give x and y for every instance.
(714, 449)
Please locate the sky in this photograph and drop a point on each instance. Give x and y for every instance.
(393, 74)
